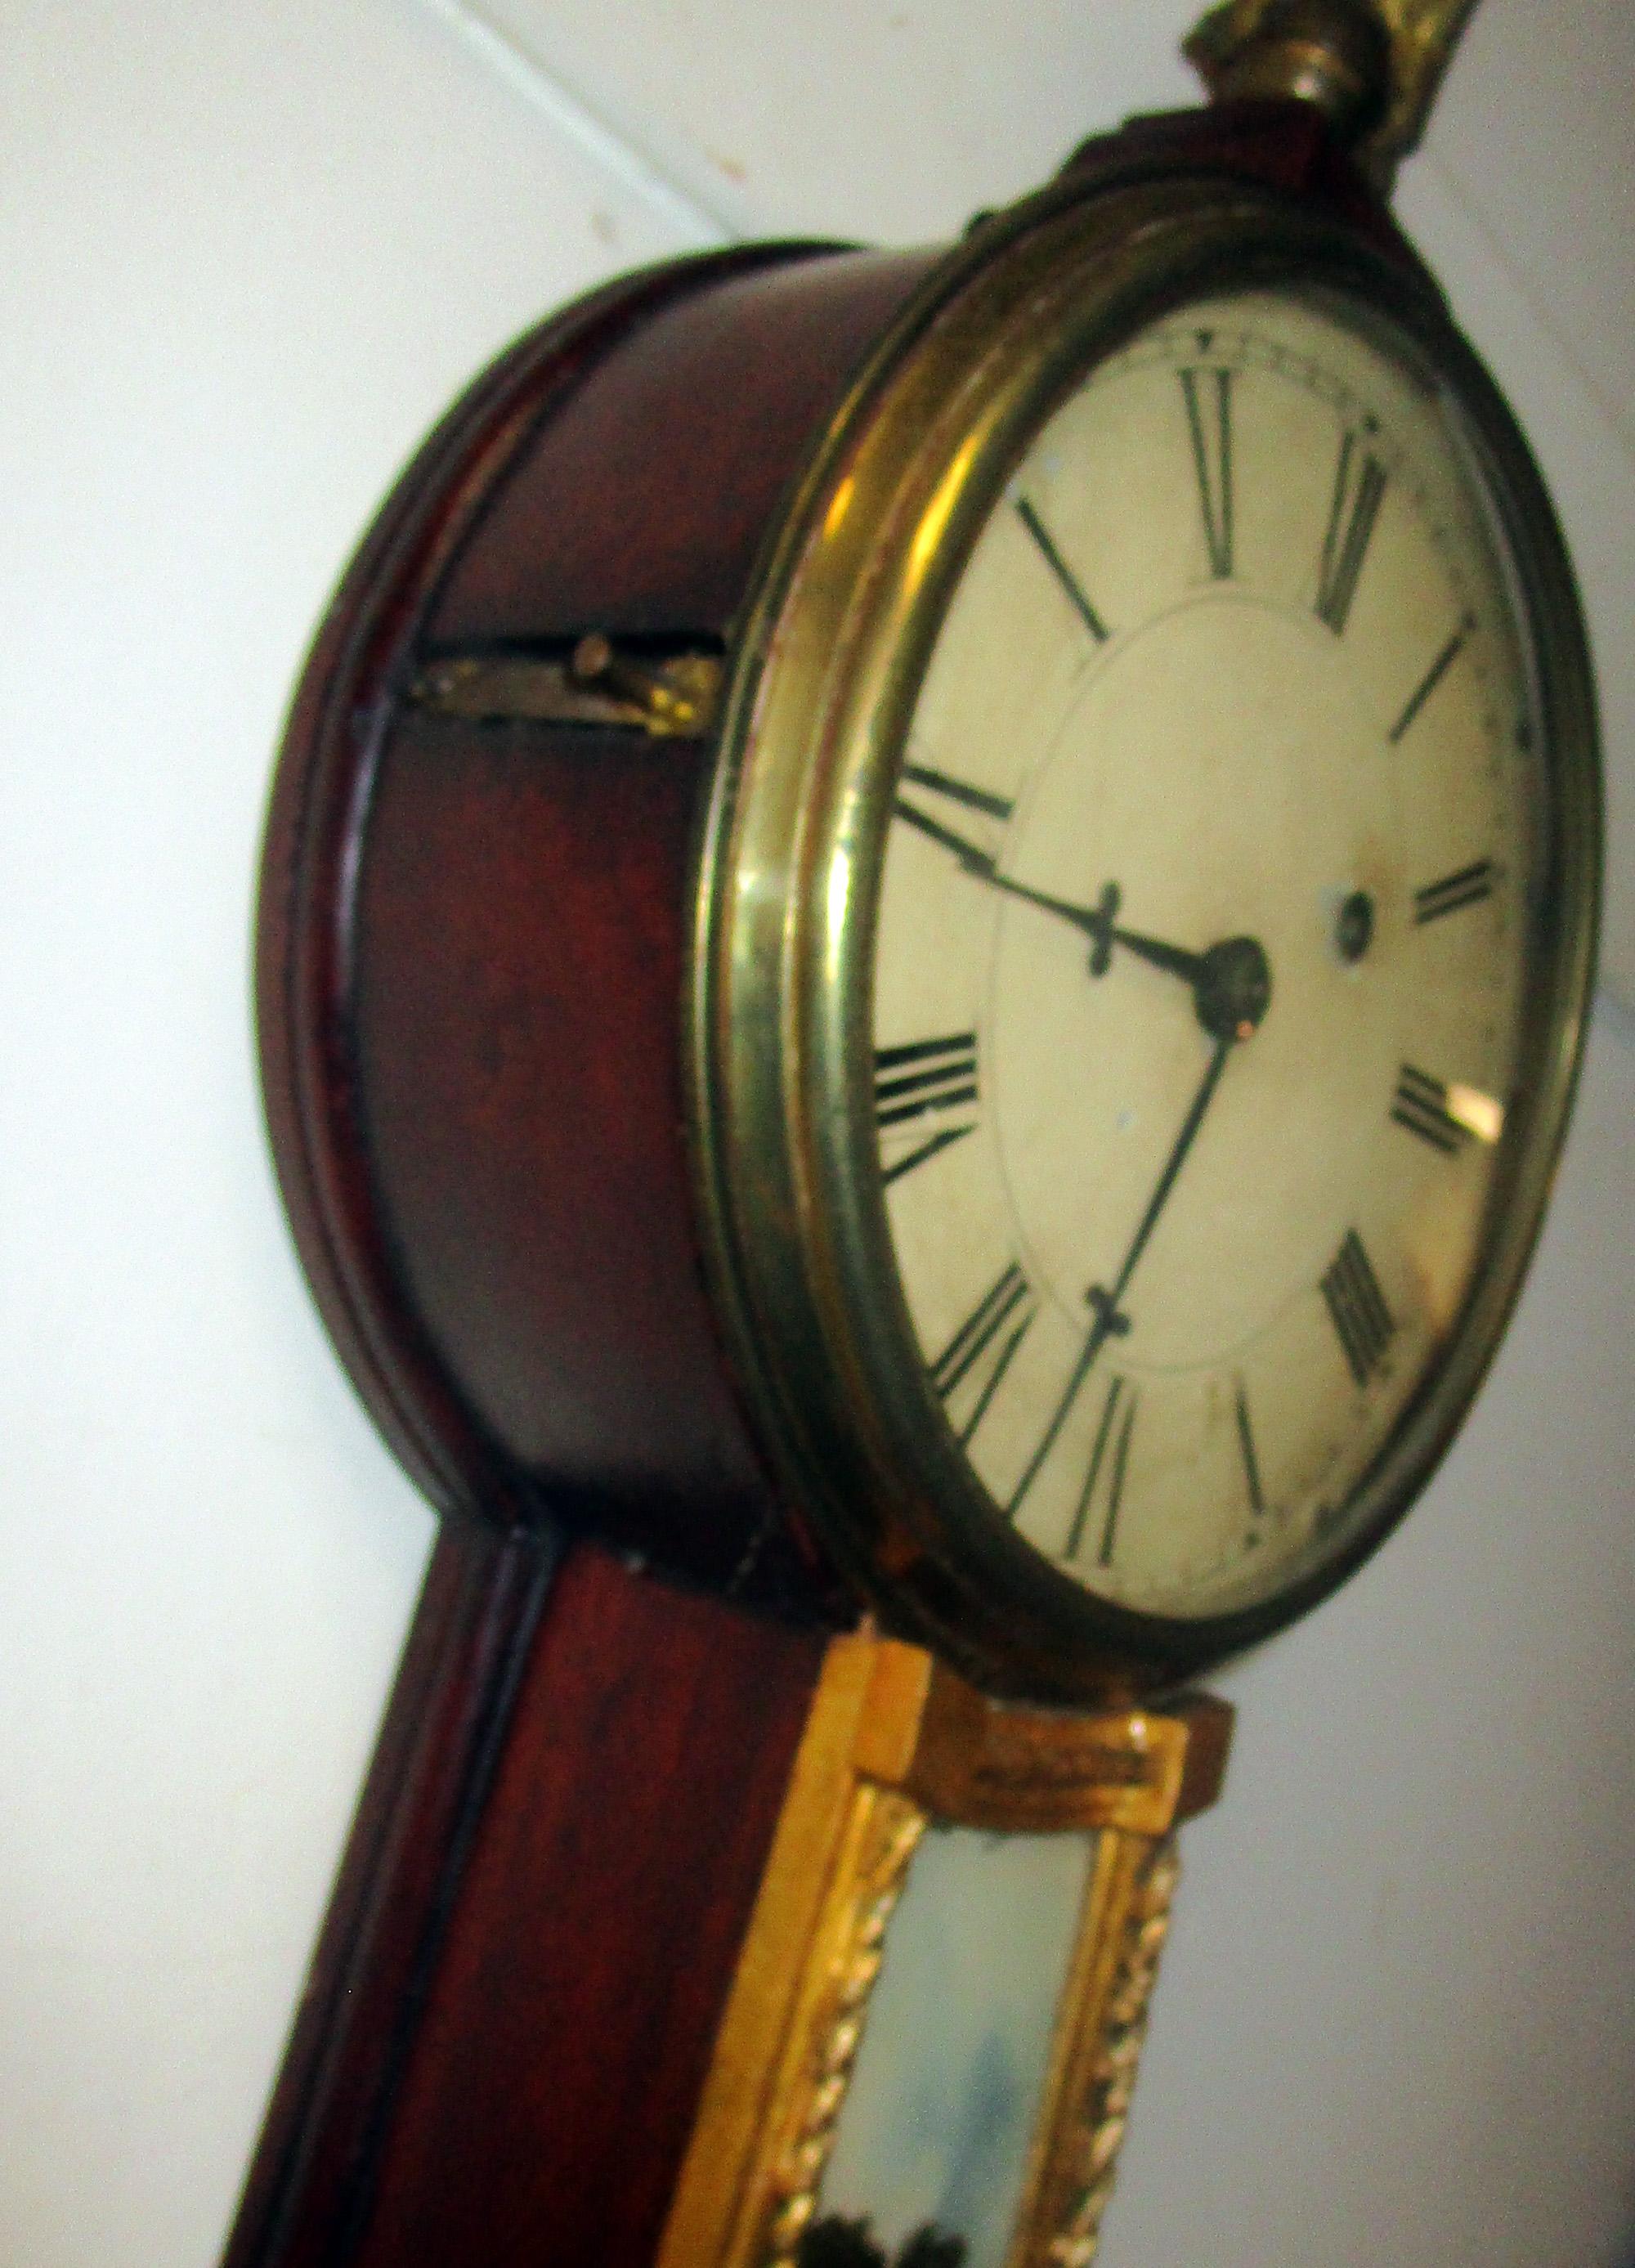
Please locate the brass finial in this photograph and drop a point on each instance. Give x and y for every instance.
(1372, 66)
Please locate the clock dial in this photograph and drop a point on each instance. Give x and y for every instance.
(1199, 980)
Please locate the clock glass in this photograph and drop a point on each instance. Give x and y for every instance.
(1200, 984)
(1147, 918)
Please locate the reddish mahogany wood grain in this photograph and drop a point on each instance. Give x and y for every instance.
(565, 2042)
(520, 1299)
(522, 939)
(643, 508)
(314, 2171)
(315, 848)
(513, 2007)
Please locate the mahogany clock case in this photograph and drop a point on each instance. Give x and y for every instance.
(474, 936)
(475, 933)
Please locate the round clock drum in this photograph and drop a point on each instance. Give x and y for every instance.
(928, 919)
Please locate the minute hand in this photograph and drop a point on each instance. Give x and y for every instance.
(1097, 921)
(1109, 1320)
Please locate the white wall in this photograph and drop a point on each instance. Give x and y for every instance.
(249, 252)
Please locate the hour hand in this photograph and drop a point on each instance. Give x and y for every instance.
(1099, 922)
(1095, 921)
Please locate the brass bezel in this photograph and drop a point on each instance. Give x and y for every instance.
(847, 606)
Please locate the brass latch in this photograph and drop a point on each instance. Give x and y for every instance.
(675, 697)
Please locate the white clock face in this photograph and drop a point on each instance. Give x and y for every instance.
(1199, 973)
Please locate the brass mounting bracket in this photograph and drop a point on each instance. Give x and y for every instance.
(1373, 66)
(676, 698)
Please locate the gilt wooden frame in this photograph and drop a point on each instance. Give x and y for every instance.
(895, 1741)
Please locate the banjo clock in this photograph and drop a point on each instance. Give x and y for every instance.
(925, 931)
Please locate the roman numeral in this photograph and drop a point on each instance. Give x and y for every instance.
(1111, 1455)
(973, 798)
(1208, 420)
(961, 795)
(944, 1138)
(1431, 678)
(922, 1077)
(984, 1346)
(925, 1075)
(1360, 483)
(1357, 1307)
(971, 858)
(1246, 1443)
(1467, 887)
(1421, 1106)
(1062, 571)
